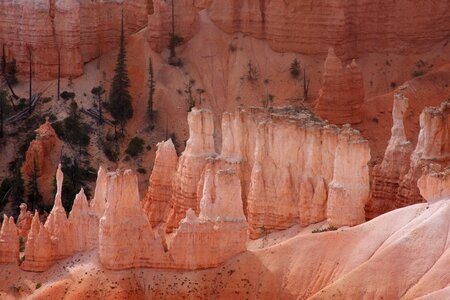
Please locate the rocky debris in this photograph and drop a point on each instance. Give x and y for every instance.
(342, 92)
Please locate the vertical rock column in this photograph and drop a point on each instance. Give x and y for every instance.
(349, 189)
(9, 241)
(395, 164)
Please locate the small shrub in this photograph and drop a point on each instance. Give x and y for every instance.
(110, 149)
(319, 230)
(232, 48)
(67, 95)
(38, 285)
(46, 99)
(135, 147)
(252, 73)
(295, 68)
(418, 73)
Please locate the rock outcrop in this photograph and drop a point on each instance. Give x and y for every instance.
(160, 24)
(24, 221)
(9, 241)
(199, 242)
(156, 202)
(98, 203)
(434, 184)
(342, 92)
(433, 146)
(41, 160)
(78, 30)
(280, 185)
(351, 28)
(199, 147)
(395, 164)
(61, 236)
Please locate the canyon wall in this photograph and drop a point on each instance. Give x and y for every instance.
(78, 30)
(434, 184)
(160, 25)
(352, 27)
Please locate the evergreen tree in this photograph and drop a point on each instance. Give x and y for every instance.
(98, 91)
(3, 62)
(11, 72)
(34, 197)
(4, 108)
(120, 99)
(295, 68)
(151, 86)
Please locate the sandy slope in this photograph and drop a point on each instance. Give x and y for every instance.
(403, 254)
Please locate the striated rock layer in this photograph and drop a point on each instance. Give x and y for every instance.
(79, 30)
(352, 28)
(156, 202)
(160, 22)
(293, 169)
(434, 184)
(127, 240)
(342, 92)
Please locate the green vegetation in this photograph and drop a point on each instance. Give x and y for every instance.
(152, 88)
(34, 196)
(319, 230)
(38, 285)
(135, 147)
(252, 73)
(189, 95)
(295, 68)
(75, 177)
(72, 131)
(120, 98)
(68, 95)
(4, 110)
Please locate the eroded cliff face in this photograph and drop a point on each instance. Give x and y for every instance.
(395, 164)
(351, 27)
(396, 178)
(293, 169)
(9, 241)
(342, 92)
(434, 184)
(78, 30)
(161, 24)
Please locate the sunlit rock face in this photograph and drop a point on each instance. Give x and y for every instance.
(71, 31)
(434, 184)
(342, 92)
(395, 181)
(219, 233)
(351, 28)
(9, 241)
(286, 162)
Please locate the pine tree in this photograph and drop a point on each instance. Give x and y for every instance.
(34, 196)
(151, 86)
(3, 62)
(3, 110)
(120, 99)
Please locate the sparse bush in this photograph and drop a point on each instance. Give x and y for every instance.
(295, 68)
(418, 73)
(72, 131)
(67, 95)
(135, 147)
(252, 73)
(111, 151)
(142, 170)
(38, 285)
(319, 230)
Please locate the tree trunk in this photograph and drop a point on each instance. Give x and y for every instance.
(31, 80)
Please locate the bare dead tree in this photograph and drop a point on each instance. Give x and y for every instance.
(30, 58)
(305, 85)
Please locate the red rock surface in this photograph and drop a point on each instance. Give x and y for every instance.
(342, 92)
(42, 156)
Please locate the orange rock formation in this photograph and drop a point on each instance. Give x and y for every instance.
(342, 92)
(9, 241)
(42, 156)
